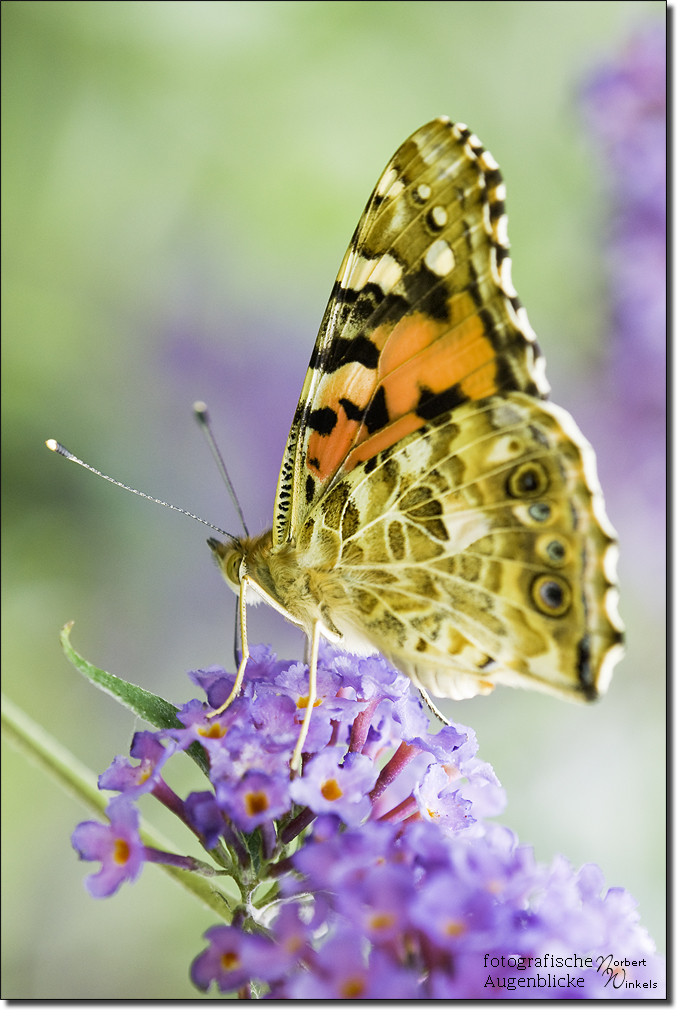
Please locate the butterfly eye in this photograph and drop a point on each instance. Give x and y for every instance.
(552, 595)
(233, 568)
(528, 481)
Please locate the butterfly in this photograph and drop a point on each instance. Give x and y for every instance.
(432, 504)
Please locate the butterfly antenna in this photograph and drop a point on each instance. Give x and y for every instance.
(202, 418)
(62, 451)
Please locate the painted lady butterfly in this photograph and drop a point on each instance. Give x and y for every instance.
(431, 502)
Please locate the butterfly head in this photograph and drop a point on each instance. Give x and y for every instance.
(231, 559)
(238, 557)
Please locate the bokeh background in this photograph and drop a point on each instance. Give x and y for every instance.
(180, 182)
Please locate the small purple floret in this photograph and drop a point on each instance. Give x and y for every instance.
(116, 846)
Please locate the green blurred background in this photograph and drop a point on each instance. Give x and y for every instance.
(180, 182)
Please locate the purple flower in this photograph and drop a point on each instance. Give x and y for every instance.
(234, 958)
(205, 729)
(203, 814)
(401, 889)
(330, 785)
(340, 971)
(255, 799)
(454, 910)
(117, 847)
(440, 801)
(625, 106)
(133, 780)
(292, 935)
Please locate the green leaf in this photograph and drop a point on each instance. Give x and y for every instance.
(32, 740)
(156, 710)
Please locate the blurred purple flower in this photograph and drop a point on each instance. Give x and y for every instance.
(234, 958)
(625, 107)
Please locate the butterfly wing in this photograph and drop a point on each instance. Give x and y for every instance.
(449, 514)
(423, 317)
(476, 551)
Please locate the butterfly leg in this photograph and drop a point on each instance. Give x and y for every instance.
(312, 695)
(245, 651)
(433, 708)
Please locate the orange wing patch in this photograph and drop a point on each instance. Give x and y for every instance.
(383, 440)
(422, 359)
(344, 395)
(452, 360)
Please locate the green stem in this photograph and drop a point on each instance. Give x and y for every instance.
(42, 750)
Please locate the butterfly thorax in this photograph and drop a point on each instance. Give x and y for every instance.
(305, 594)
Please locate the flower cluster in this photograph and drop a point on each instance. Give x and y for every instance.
(373, 874)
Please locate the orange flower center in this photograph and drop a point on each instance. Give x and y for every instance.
(256, 803)
(303, 702)
(331, 790)
(145, 771)
(352, 988)
(213, 732)
(230, 960)
(120, 852)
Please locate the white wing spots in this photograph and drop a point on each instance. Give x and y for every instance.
(464, 529)
(525, 325)
(423, 192)
(493, 266)
(474, 142)
(613, 656)
(505, 448)
(570, 428)
(387, 273)
(598, 506)
(486, 219)
(500, 230)
(514, 318)
(611, 608)
(520, 320)
(489, 164)
(358, 272)
(452, 684)
(506, 415)
(507, 285)
(440, 259)
(386, 181)
(458, 129)
(346, 266)
(610, 563)
(395, 189)
(537, 371)
(499, 192)
(439, 216)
